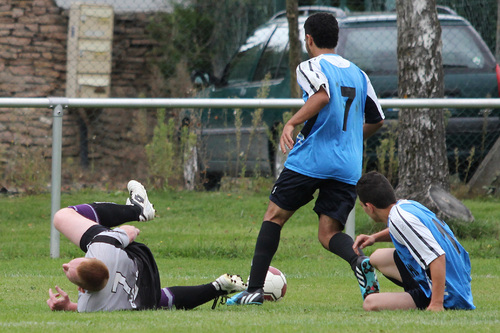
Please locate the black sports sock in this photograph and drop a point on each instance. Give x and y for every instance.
(112, 215)
(189, 297)
(341, 245)
(265, 248)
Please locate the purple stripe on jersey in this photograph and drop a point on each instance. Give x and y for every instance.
(87, 211)
(167, 299)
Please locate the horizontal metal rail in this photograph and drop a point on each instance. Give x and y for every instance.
(276, 103)
(58, 104)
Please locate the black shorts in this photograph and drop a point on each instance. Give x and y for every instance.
(410, 285)
(293, 190)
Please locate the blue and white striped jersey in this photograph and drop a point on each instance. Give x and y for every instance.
(420, 237)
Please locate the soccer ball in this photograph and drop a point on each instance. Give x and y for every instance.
(274, 285)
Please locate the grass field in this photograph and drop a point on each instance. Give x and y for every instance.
(198, 236)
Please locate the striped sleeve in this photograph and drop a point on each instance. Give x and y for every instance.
(311, 78)
(408, 230)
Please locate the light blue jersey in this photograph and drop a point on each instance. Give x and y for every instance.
(420, 237)
(330, 145)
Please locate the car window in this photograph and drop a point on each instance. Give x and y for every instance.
(460, 49)
(370, 48)
(242, 65)
(374, 49)
(273, 60)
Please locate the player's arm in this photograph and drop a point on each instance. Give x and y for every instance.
(370, 129)
(363, 241)
(310, 108)
(438, 274)
(374, 116)
(60, 301)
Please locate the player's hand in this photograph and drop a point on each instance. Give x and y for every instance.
(435, 307)
(286, 140)
(361, 242)
(131, 231)
(59, 301)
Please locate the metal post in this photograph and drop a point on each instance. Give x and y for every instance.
(56, 177)
(350, 226)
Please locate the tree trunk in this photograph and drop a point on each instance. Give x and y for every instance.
(421, 132)
(292, 14)
(423, 164)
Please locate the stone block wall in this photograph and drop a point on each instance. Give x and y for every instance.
(32, 49)
(33, 38)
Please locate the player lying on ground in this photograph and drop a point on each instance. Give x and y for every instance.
(118, 273)
(428, 261)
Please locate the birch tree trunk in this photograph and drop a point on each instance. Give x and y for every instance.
(294, 58)
(421, 132)
(423, 164)
(292, 14)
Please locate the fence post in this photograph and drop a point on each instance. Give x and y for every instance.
(350, 225)
(56, 172)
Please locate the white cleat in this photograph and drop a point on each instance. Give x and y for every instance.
(230, 283)
(139, 197)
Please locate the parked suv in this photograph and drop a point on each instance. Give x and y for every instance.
(368, 40)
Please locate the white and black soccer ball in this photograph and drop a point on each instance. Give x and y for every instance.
(274, 285)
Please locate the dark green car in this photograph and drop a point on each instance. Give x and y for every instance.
(243, 141)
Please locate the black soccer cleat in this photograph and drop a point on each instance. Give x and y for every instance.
(247, 298)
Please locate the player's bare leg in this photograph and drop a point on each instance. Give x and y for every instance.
(334, 240)
(389, 301)
(383, 260)
(71, 224)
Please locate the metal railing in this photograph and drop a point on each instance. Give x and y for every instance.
(59, 104)
(278, 103)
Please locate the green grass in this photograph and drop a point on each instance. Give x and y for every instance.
(198, 236)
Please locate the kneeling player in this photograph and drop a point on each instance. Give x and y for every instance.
(428, 261)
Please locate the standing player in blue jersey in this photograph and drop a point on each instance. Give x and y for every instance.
(428, 261)
(340, 111)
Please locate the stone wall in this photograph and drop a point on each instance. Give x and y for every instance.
(32, 52)
(33, 38)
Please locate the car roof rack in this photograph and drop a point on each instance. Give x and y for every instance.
(308, 10)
